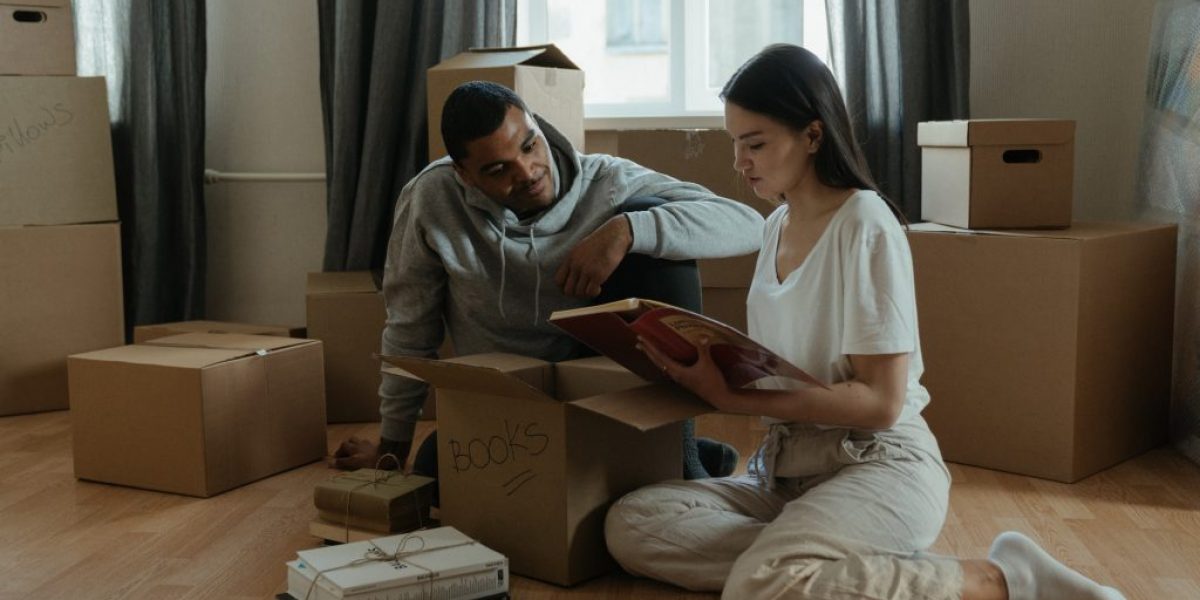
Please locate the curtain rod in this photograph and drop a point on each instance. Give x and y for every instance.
(212, 176)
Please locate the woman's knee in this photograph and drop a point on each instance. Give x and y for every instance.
(627, 520)
(640, 514)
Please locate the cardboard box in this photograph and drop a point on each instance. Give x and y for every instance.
(198, 413)
(61, 294)
(346, 311)
(549, 83)
(145, 333)
(532, 473)
(37, 37)
(1047, 353)
(997, 173)
(56, 165)
(727, 305)
(702, 156)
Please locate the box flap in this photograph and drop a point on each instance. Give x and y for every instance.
(343, 282)
(996, 132)
(647, 407)
(544, 55)
(1077, 231)
(248, 344)
(458, 374)
(145, 354)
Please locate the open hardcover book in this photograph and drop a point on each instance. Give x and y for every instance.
(612, 329)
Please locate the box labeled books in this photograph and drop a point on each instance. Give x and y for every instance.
(612, 329)
(383, 501)
(518, 467)
(431, 563)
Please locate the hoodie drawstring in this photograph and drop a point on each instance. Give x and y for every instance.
(503, 235)
(537, 267)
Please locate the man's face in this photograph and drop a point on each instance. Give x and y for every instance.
(511, 165)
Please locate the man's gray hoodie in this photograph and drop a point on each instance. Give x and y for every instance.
(460, 263)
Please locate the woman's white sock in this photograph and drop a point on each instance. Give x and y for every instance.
(1032, 574)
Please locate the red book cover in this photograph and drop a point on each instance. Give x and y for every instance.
(612, 329)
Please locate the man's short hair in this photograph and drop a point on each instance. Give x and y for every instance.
(475, 109)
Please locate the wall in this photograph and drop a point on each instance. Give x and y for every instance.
(1078, 59)
(264, 115)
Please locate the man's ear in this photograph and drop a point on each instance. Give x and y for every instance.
(815, 133)
(462, 173)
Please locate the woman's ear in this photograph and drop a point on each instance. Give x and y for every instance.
(815, 133)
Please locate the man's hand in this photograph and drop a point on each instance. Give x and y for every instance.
(590, 263)
(357, 453)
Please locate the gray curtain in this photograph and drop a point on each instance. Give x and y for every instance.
(373, 60)
(900, 62)
(1168, 189)
(153, 55)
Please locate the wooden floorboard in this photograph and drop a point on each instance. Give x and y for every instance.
(1136, 526)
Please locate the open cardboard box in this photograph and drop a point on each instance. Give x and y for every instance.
(531, 454)
(550, 84)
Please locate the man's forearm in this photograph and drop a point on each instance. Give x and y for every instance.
(400, 401)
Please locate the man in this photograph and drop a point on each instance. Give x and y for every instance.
(516, 224)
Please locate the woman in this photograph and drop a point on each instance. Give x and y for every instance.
(849, 486)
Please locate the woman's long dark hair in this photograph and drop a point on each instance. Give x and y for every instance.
(792, 86)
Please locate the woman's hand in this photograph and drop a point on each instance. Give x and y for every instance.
(702, 378)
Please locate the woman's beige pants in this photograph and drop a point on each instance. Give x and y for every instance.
(831, 513)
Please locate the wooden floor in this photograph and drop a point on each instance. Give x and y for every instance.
(1136, 526)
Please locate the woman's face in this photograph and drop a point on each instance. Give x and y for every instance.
(773, 158)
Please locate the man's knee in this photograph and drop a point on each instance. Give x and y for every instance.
(672, 281)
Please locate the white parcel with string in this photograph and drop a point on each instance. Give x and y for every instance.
(431, 563)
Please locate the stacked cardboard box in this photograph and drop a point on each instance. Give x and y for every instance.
(997, 173)
(37, 37)
(1048, 349)
(60, 256)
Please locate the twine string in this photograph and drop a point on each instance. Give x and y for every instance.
(380, 476)
(377, 554)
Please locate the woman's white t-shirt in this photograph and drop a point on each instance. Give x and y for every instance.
(853, 294)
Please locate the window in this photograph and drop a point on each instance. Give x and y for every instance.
(636, 26)
(666, 58)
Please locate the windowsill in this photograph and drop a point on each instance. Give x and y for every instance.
(688, 122)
